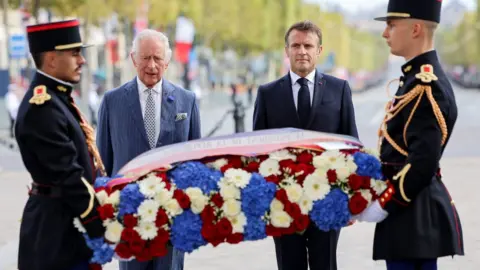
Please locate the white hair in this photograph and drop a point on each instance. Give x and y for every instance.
(150, 33)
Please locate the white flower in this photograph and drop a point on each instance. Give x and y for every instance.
(151, 185)
(342, 173)
(331, 159)
(280, 219)
(276, 205)
(101, 197)
(321, 172)
(163, 196)
(282, 155)
(294, 192)
(366, 194)
(78, 224)
(228, 191)
(238, 222)
(173, 208)
(113, 231)
(351, 164)
(218, 164)
(148, 210)
(238, 177)
(378, 185)
(306, 205)
(147, 230)
(269, 167)
(231, 207)
(316, 188)
(289, 181)
(197, 199)
(114, 198)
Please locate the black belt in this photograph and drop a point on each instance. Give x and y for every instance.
(45, 190)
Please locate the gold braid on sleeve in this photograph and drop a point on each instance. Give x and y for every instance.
(404, 100)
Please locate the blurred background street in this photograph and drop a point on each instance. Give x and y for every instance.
(222, 51)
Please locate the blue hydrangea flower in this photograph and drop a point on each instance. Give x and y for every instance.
(368, 165)
(101, 182)
(130, 199)
(257, 196)
(186, 232)
(331, 213)
(195, 174)
(102, 252)
(255, 229)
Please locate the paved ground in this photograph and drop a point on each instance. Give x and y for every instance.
(460, 165)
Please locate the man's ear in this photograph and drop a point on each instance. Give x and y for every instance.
(134, 61)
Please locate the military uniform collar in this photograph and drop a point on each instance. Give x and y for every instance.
(414, 65)
(53, 83)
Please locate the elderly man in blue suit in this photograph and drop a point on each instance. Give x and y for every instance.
(306, 99)
(145, 113)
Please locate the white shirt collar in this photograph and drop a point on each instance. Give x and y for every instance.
(157, 88)
(55, 79)
(310, 77)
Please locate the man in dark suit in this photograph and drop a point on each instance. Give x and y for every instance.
(417, 219)
(306, 99)
(58, 149)
(143, 114)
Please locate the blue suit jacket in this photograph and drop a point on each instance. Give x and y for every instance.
(332, 107)
(121, 134)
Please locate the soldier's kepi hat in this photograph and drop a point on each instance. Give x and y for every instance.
(56, 36)
(428, 10)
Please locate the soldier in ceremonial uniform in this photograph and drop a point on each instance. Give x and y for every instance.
(58, 149)
(417, 219)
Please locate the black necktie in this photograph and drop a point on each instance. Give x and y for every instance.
(303, 106)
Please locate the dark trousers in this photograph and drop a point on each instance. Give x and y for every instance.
(174, 260)
(80, 266)
(315, 248)
(412, 265)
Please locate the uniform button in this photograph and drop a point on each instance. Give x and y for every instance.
(382, 199)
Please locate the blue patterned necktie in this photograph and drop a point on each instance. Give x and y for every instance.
(149, 119)
(303, 102)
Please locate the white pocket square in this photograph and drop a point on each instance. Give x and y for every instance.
(180, 116)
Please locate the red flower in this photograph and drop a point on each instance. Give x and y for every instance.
(157, 250)
(182, 198)
(94, 266)
(106, 211)
(302, 222)
(293, 210)
(290, 230)
(270, 230)
(168, 185)
(252, 167)
(366, 183)
(217, 200)
(305, 158)
(137, 246)
(209, 231)
(287, 165)
(282, 196)
(262, 158)
(144, 256)
(162, 237)
(208, 214)
(129, 235)
(130, 221)
(235, 238)
(305, 170)
(357, 203)
(273, 179)
(355, 182)
(224, 227)
(332, 176)
(374, 194)
(235, 161)
(162, 175)
(97, 190)
(123, 251)
(224, 168)
(162, 218)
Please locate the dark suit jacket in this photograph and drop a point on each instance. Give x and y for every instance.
(121, 134)
(332, 107)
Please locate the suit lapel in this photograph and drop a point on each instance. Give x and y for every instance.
(287, 98)
(318, 91)
(167, 115)
(132, 99)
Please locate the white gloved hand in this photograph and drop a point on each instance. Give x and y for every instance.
(373, 213)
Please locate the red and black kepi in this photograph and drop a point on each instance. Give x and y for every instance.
(55, 36)
(428, 10)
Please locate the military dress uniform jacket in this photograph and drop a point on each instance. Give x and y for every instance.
(422, 220)
(54, 150)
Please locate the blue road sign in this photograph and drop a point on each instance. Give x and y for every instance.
(18, 46)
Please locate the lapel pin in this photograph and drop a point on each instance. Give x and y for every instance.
(170, 98)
